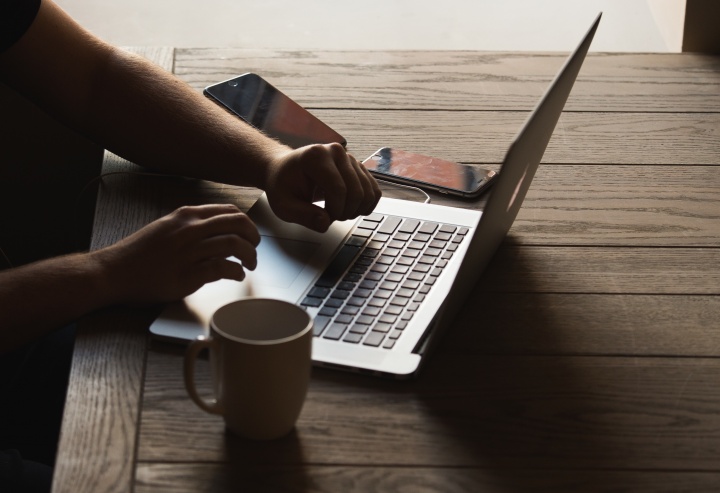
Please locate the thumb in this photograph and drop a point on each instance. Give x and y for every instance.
(306, 214)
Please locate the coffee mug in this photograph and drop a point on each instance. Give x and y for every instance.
(261, 358)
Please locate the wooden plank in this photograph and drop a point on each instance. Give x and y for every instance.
(586, 324)
(615, 205)
(199, 478)
(621, 205)
(603, 270)
(585, 138)
(98, 436)
(466, 411)
(462, 80)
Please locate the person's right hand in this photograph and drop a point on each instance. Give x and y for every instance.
(176, 255)
(298, 177)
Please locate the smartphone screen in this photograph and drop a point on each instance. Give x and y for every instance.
(429, 172)
(260, 104)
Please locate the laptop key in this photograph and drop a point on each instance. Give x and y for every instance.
(311, 302)
(327, 311)
(340, 294)
(359, 329)
(319, 292)
(438, 244)
(409, 226)
(400, 269)
(365, 320)
(335, 331)
(371, 311)
(355, 301)
(374, 275)
(428, 227)
(319, 324)
(352, 277)
(353, 338)
(362, 293)
(390, 225)
(333, 303)
(366, 224)
(389, 343)
(382, 327)
(374, 339)
(356, 241)
(368, 284)
(351, 311)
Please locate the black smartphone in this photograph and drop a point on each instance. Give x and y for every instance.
(428, 172)
(266, 108)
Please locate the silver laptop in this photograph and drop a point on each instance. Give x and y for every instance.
(382, 287)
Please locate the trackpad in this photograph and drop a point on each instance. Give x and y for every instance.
(280, 261)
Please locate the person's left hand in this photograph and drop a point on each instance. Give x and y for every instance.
(297, 178)
(175, 255)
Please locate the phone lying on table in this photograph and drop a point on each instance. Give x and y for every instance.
(418, 170)
(266, 108)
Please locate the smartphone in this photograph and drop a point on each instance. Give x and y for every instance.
(428, 172)
(263, 106)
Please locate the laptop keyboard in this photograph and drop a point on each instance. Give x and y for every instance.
(375, 284)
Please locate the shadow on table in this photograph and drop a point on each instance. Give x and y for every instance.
(493, 410)
(263, 465)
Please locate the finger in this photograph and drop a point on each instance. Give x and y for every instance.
(352, 179)
(205, 211)
(236, 223)
(216, 269)
(326, 178)
(225, 246)
(306, 214)
(371, 189)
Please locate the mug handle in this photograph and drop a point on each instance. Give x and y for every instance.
(202, 342)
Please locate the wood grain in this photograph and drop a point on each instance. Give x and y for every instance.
(461, 80)
(601, 270)
(467, 410)
(199, 478)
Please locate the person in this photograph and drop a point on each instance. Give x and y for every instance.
(138, 111)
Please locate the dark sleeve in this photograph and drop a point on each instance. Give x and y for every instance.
(11, 469)
(16, 16)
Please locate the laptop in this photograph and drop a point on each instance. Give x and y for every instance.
(382, 288)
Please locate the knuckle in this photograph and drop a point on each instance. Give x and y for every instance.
(315, 151)
(336, 148)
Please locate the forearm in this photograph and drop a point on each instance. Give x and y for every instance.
(130, 106)
(40, 297)
(144, 114)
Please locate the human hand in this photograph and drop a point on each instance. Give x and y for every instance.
(297, 178)
(174, 256)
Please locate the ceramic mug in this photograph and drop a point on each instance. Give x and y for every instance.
(261, 358)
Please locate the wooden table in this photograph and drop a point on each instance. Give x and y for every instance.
(587, 359)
